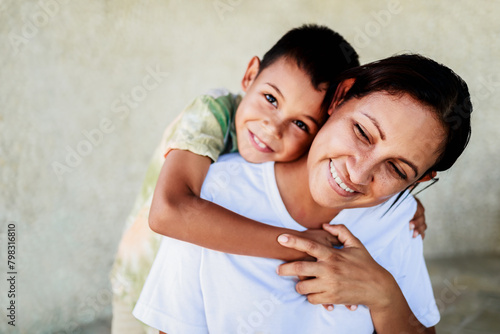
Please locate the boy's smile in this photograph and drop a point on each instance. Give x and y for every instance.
(280, 113)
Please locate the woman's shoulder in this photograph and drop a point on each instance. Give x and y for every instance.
(380, 226)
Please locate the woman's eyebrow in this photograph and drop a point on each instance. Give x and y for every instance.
(409, 163)
(377, 125)
(382, 135)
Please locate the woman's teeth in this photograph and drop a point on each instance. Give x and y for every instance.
(338, 180)
(259, 143)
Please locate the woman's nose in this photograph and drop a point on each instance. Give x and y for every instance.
(360, 172)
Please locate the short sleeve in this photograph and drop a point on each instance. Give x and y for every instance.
(415, 283)
(205, 127)
(171, 299)
(402, 255)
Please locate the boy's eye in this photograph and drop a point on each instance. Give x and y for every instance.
(400, 174)
(303, 126)
(271, 99)
(360, 132)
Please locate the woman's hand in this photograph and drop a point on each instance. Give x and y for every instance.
(346, 276)
(350, 276)
(321, 236)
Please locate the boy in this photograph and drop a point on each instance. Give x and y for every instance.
(277, 119)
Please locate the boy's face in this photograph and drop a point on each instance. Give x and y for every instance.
(371, 148)
(280, 113)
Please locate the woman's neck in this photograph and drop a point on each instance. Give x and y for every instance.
(293, 184)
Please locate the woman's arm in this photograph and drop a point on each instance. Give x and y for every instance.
(178, 212)
(350, 276)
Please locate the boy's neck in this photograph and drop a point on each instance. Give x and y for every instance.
(293, 184)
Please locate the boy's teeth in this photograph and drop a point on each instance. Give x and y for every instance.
(338, 180)
(261, 144)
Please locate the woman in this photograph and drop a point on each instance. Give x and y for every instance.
(393, 124)
(363, 281)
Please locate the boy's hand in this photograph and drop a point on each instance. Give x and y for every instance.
(417, 223)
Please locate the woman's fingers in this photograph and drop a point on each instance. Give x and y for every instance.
(317, 250)
(301, 268)
(308, 246)
(345, 236)
(328, 307)
(308, 287)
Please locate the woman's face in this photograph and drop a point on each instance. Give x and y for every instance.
(372, 148)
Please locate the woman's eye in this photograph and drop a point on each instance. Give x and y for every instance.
(303, 126)
(360, 132)
(271, 99)
(400, 174)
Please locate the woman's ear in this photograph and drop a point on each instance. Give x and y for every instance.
(427, 177)
(251, 73)
(340, 93)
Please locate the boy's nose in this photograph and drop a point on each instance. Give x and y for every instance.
(273, 127)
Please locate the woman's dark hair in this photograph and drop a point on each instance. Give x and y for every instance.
(430, 83)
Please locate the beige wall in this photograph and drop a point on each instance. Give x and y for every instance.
(68, 68)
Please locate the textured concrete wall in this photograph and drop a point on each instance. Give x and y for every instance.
(118, 71)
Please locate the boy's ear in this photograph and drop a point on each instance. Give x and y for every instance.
(251, 73)
(340, 93)
(428, 176)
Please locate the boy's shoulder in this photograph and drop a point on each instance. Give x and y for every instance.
(234, 164)
(232, 157)
(219, 92)
(221, 97)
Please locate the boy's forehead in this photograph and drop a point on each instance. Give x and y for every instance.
(286, 68)
(287, 72)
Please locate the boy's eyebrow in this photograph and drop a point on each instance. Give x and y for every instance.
(314, 121)
(382, 135)
(277, 90)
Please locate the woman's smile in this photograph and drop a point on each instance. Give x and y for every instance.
(338, 182)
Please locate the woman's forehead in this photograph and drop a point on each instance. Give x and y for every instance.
(403, 126)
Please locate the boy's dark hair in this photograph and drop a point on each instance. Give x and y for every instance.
(319, 51)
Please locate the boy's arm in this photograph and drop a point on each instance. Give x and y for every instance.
(178, 212)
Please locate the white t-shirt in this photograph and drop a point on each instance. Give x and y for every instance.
(191, 289)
